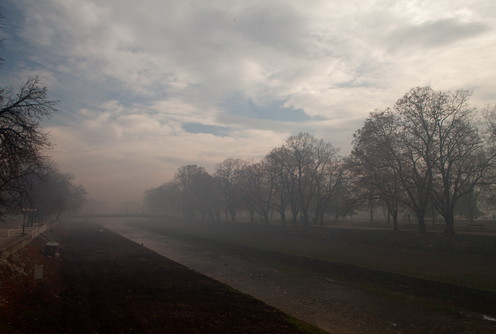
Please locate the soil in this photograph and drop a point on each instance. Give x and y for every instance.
(104, 283)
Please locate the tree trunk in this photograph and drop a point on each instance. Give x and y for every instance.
(449, 220)
(295, 216)
(395, 221)
(471, 212)
(421, 221)
(266, 217)
(282, 213)
(305, 217)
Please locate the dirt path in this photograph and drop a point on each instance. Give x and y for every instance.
(330, 304)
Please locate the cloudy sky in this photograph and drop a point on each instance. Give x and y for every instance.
(148, 86)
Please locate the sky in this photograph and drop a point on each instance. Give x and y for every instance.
(145, 87)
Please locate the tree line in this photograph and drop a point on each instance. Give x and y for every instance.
(430, 152)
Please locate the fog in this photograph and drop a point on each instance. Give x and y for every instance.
(335, 160)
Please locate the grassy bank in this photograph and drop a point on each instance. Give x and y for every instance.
(464, 260)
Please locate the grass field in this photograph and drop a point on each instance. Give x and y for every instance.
(464, 260)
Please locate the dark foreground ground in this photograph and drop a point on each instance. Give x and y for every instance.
(103, 283)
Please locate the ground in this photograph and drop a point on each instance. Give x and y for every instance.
(103, 283)
(307, 272)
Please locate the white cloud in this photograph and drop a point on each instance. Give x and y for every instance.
(120, 145)
(130, 74)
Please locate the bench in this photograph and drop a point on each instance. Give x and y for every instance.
(475, 227)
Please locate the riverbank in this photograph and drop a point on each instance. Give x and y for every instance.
(296, 273)
(463, 260)
(104, 283)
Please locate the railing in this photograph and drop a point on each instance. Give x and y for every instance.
(29, 234)
(33, 232)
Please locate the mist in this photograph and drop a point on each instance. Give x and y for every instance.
(335, 161)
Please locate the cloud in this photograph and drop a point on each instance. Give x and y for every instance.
(146, 87)
(436, 33)
(135, 149)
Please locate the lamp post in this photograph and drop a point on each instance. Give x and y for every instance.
(24, 211)
(34, 217)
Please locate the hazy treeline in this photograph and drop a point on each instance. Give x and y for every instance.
(430, 152)
(29, 181)
(302, 177)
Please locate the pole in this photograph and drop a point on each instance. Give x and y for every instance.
(23, 221)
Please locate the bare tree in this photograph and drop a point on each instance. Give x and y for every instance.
(22, 142)
(306, 157)
(300, 163)
(163, 199)
(430, 145)
(328, 181)
(52, 193)
(281, 179)
(207, 197)
(460, 162)
(257, 190)
(376, 165)
(195, 190)
(229, 175)
(488, 188)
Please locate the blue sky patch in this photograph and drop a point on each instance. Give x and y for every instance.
(274, 111)
(219, 131)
